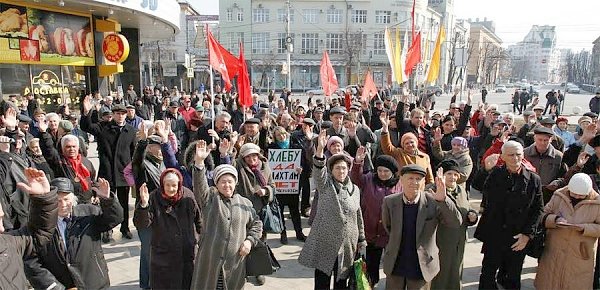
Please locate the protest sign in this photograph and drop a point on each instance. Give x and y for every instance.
(284, 163)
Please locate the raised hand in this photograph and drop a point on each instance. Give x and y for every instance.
(437, 135)
(385, 122)
(160, 130)
(213, 133)
(321, 143)
(351, 129)
(168, 123)
(505, 136)
(469, 98)
(589, 132)
(43, 125)
(582, 159)
(361, 153)
(144, 195)
(491, 161)
(224, 147)
(143, 131)
(9, 119)
(440, 185)
(37, 183)
(103, 188)
(201, 152)
(234, 137)
(87, 104)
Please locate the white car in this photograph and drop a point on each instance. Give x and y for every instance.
(573, 89)
(316, 92)
(500, 89)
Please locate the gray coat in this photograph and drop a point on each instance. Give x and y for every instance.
(228, 222)
(248, 184)
(431, 214)
(338, 226)
(463, 159)
(549, 166)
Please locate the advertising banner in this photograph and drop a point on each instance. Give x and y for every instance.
(284, 163)
(30, 35)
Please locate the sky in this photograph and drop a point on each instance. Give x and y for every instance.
(577, 21)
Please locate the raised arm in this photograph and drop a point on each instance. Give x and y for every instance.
(112, 212)
(201, 188)
(319, 169)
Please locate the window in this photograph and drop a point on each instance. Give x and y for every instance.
(260, 15)
(310, 43)
(310, 15)
(359, 16)
(282, 14)
(334, 43)
(334, 16)
(240, 16)
(229, 15)
(260, 42)
(379, 44)
(281, 44)
(383, 17)
(233, 42)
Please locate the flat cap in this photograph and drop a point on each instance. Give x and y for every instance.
(378, 102)
(353, 107)
(24, 118)
(543, 130)
(62, 184)
(337, 110)
(119, 108)
(528, 113)
(252, 121)
(326, 124)
(67, 126)
(130, 107)
(547, 121)
(199, 107)
(538, 107)
(154, 139)
(173, 104)
(591, 115)
(318, 110)
(413, 168)
(308, 121)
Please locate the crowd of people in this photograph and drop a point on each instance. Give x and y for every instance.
(386, 178)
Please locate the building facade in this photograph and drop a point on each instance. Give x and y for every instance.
(537, 58)
(596, 62)
(351, 31)
(484, 53)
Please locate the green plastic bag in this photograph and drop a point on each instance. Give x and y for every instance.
(360, 275)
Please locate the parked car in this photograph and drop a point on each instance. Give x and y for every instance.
(316, 92)
(573, 89)
(500, 89)
(436, 89)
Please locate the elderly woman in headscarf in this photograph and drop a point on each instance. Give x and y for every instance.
(338, 229)
(232, 227)
(173, 215)
(459, 153)
(254, 181)
(572, 220)
(375, 185)
(451, 241)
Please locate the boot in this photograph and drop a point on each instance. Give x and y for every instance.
(283, 239)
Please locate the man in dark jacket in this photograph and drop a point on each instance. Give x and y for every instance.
(414, 125)
(116, 143)
(304, 139)
(17, 246)
(74, 255)
(595, 103)
(513, 205)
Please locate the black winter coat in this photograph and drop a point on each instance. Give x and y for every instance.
(17, 246)
(174, 230)
(82, 264)
(114, 145)
(512, 205)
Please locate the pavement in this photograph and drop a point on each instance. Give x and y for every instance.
(122, 255)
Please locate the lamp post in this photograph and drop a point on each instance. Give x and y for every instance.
(274, 82)
(304, 75)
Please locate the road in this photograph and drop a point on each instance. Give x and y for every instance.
(123, 255)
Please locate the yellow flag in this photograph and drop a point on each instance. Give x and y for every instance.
(399, 71)
(434, 68)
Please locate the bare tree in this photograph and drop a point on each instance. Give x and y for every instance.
(355, 45)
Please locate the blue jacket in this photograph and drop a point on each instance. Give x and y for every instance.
(567, 136)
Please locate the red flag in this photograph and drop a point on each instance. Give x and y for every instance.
(412, 15)
(369, 87)
(243, 81)
(216, 60)
(413, 56)
(231, 62)
(328, 79)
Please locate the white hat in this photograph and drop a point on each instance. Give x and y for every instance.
(225, 169)
(581, 184)
(249, 148)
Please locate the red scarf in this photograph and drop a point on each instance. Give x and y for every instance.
(81, 172)
(177, 196)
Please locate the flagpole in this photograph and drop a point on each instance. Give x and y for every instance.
(212, 99)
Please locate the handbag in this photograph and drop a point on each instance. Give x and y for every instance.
(270, 215)
(261, 261)
(535, 246)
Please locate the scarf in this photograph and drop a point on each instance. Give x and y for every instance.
(283, 144)
(385, 183)
(177, 196)
(81, 172)
(262, 181)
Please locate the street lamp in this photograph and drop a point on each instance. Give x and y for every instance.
(274, 72)
(304, 75)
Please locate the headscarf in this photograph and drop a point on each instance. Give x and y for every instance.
(175, 198)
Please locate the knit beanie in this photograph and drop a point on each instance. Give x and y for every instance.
(225, 169)
(334, 139)
(460, 141)
(388, 162)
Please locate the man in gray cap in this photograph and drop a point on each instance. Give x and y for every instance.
(411, 219)
(547, 160)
